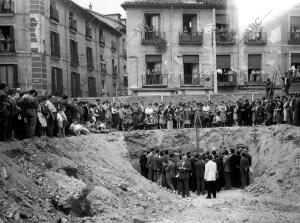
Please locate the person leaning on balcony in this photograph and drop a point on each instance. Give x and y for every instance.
(293, 34)
(2, 40)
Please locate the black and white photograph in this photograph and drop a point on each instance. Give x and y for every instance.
(149, 111)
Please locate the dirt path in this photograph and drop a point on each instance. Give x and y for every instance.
(235, 206)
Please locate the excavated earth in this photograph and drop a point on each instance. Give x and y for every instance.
(95, 179)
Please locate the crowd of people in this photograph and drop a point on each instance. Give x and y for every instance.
(25, 114)
(202, 173)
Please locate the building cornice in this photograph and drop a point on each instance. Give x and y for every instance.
(155, 4)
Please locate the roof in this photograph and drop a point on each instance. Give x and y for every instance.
(206, 4)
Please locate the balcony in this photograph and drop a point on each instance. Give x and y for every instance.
(7, 47)
(54, 16)
(149, 36)
(193, 38)
(189, 80)
(256, 39)
(155, 81)
(88, 33)
(7, 7)
(73, 25)
(225, 38)
(227, 80)
(254, 79)
(294, 38)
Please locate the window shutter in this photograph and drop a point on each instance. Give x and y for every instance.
(223, 61)
(191, 59)
(53, 80)
(15, 76)
(60, 88)
(254, 61)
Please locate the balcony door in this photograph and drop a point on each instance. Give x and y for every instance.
(153, 70)
(223, 67)
(191, 69)
(75, 85)
(254, 68)
(9, 75)
(7, 41)
(152, 26)
(189, 23)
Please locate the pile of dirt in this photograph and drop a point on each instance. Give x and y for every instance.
(275, 151)
(92, 179)
(77, 179)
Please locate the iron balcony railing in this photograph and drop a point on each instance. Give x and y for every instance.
(294, 38)
(189, 80)
(7, 7)
(155, 80)
(256, 38)
(149, 36)
(225, 38)
(191, 38)
(227, 79)
(7, 46)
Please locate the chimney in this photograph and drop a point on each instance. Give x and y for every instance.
(90, 7)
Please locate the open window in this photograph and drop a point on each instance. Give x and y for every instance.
(223, 68)
(153, 70)
(295, 29)
(191, 70)
(189, 23)
(254, 67)
(152, 26)
(7, 41)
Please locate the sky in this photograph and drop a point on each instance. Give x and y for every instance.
(103, 6)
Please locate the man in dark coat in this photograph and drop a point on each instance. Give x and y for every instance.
(143, 164)
(150, 165)
(200, 169)
(234, 162)
(244, 168)
(183, 169)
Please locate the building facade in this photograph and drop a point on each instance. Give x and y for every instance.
(196, 47)
(58, 47)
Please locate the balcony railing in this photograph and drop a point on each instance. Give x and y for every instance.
(189, 80)
(193, 38)
(256, 38)
(149, 36)
(7, 47)
(88, 33)
(294, 38)
(73, 25)
(254, 79)
(155, 80)
(54, 15)
(7, 7)
(225, 38)
(227, 79)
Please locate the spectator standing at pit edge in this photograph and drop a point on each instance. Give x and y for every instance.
(210, 177)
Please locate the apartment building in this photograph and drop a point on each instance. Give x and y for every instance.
(196, 47)
(58, 47)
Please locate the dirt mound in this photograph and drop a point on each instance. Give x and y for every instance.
(91, 178)
(75, 179)
(275, 151)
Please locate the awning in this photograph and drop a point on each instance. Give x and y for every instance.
(223, 61)
(222, 19)
(153, 58)
(295, 58)
(191, 59)
(254, 61)
(295, 21)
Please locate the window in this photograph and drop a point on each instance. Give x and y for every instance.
(57, 81)
(55, 44)
(7, 42)
(222, 22)
(103, 88)
(7, 7)
(152, 26)
(191, 69)
(295, 29)
(254, 67)
(54, 15)
(9, 75)
(223, 67)
(113, 66)
(113, 46)
(88, 30)
(89, 57)
(153, 69)
(75, 85)
(74, 53)
(189, 23)
(72, 22)
(92, 87)
(101, 37)
(114, 89)
(102, 64)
